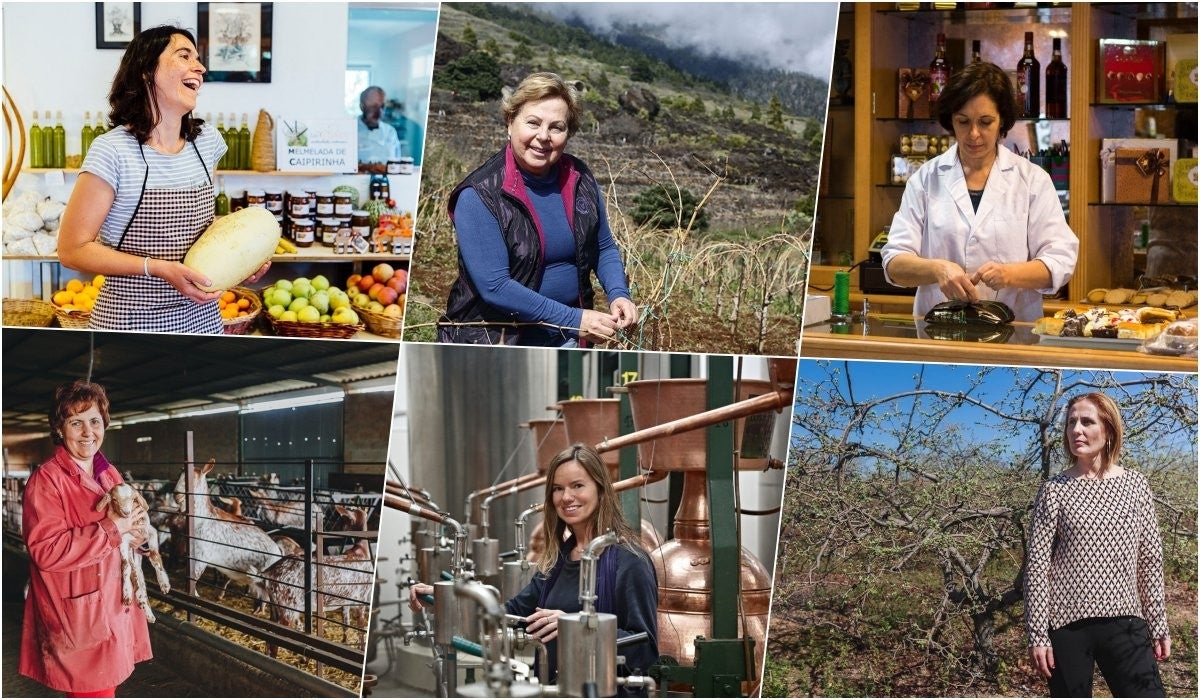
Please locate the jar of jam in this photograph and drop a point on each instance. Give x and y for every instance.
(342, 205)
(303, 232)
(324, 204)
(360, 223)
(329, 229)
(393, 166)
(256, 198)
(406, 165)
(402, 244)
(274, 200)
(312, 204)
(298, 205)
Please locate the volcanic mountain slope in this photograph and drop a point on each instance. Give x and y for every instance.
(668, 126)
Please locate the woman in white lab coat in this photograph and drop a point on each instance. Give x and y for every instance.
(978, 221)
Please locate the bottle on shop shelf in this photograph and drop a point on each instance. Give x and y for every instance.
(86, 134)
(939, 71)
(36, 157)
(222, 204)
(976, 56)
(47, 141)
(100, 128)
(223, 162)
(380, 187)
(60, 141)
(1029, 78)
(243, 141)
(1056, 84)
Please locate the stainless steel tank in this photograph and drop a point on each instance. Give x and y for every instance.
(465, 431)
(587, 651)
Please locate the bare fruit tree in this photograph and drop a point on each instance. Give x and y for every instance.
(906, 513)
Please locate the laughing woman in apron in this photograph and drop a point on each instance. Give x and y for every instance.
(145, 194)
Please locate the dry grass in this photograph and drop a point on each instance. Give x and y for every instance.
(694, 293)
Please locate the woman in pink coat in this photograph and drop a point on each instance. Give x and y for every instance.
(77, 635)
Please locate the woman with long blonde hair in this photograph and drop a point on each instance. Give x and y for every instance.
(580, 505)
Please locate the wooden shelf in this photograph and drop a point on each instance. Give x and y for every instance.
(1142, 204)
(320, 253)
(1128, 105)
(315, 254)
(886, 39)
(285, 173)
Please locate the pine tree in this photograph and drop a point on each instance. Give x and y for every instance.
(522, 52)
(469, 37)
(775, 112)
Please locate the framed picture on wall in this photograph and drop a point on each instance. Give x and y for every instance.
(117, 23)
(235, 41)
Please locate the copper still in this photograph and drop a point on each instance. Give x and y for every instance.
(549, 438)
(658, 401)
(592, 421)
(683, 564)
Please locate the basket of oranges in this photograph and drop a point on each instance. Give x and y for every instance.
(239, 308)
(73, 303)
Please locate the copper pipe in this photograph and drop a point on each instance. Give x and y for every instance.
(740, 409)
(486, 505)
(401, 503)
(638, 481)
(774, 400)
(473, 512)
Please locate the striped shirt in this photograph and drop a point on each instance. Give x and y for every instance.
(114, 158)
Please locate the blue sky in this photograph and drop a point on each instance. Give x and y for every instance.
(872, 380)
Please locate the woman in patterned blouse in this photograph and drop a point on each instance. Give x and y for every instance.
(1094, 568)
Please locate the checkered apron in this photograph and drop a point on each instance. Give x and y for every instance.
(164, 225)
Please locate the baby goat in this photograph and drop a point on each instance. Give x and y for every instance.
(121, 500)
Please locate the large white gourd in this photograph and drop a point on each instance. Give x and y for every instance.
(234, 247)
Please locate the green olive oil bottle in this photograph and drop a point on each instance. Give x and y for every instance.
(36, 159)
(244, 145)
(47, 141)
(60, 142)
(87, 133)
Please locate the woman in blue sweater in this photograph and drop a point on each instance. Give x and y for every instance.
(531, 229)
(581, 504)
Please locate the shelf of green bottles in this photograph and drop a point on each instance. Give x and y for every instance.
(286, 173)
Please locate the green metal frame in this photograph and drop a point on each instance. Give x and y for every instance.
(631, 504)
(722, 516)
(719, 672)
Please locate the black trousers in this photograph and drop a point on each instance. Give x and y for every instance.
(1121, 646)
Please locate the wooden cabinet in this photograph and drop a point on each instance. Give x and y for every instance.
(886, 39)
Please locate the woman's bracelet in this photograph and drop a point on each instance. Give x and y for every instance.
(146, 266)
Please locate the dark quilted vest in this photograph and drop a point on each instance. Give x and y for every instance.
(499, 185)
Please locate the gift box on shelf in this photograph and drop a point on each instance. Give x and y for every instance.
(1108, 161)
(913, 93)
(1181, 66)
(1184, 87)
(902, 167)
(1143, 176)
(1183, 181)
(1129, 70)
